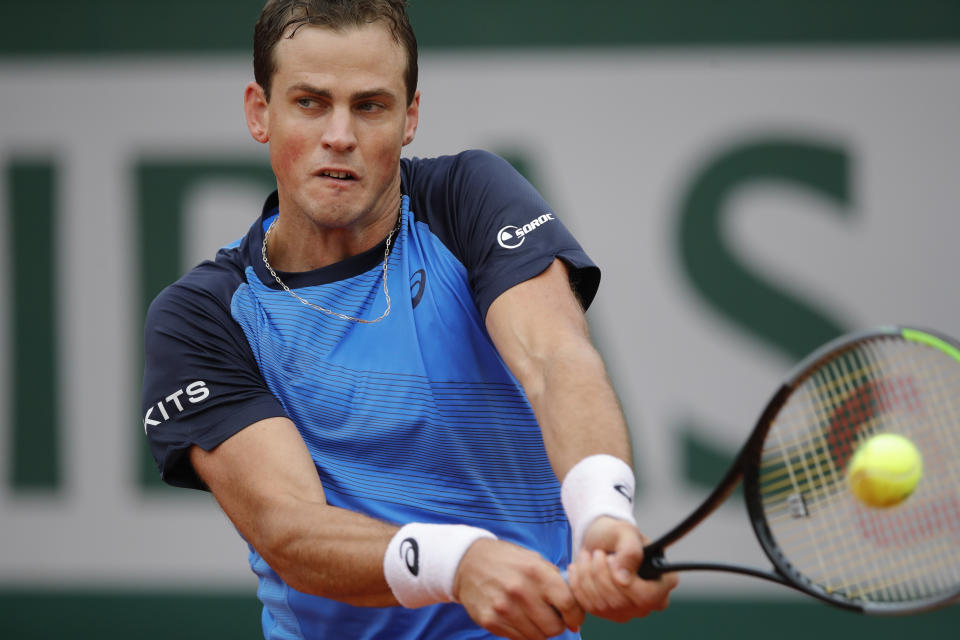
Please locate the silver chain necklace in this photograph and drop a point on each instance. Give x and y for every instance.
(329, 312)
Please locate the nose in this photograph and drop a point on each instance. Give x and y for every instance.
(339, 134)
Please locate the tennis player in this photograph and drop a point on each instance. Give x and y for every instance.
(388, 383)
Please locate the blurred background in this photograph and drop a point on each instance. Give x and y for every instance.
(755, 177)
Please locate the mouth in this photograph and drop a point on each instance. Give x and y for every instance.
(337, 174)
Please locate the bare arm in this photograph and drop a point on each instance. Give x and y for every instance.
(266, 483)
(540, 331)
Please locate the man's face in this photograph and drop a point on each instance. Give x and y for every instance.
(336, 122)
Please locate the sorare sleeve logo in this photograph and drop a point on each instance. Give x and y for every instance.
(512, 236)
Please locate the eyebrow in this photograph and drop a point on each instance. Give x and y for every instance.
(325, 93)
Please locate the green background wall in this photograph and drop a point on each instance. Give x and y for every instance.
(111, 26)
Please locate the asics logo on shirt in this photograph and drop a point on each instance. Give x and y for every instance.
(410, 552)
(418, 284)
(195, 393)
(511, 236)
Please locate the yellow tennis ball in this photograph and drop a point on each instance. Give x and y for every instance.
(885, 470)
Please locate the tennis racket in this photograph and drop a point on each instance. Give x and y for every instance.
(820, 539)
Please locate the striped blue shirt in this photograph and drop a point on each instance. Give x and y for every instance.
(415, 418)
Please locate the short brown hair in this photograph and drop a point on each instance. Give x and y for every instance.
(279, 15)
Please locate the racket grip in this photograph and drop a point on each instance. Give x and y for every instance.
(652, 566)
(650, 569)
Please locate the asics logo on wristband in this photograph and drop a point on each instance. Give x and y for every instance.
(623, 490)
(417, 585)
(410, 552)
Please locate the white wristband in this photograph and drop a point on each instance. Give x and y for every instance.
(422, 559)
(599, 485)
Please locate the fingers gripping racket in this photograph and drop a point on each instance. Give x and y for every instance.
(819, 537)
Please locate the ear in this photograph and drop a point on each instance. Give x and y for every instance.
(413, 118)
(255, 109)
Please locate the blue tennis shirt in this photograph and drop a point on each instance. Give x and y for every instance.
(415, 418)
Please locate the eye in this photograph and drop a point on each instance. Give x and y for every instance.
(370, 107)
(306, 103)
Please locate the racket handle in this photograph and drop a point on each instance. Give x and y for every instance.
(652, 566)
(650, 569)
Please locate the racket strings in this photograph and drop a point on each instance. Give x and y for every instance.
(921, 562)
(810, 478)
(903, 553)
(877, 578)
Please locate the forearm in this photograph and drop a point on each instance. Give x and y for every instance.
(327, 551)
(267, 484)
(576, 406)
(541, 332)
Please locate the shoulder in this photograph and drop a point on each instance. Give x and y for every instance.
(471, 163)
(470, 185)
(464, 170)
(206, 290)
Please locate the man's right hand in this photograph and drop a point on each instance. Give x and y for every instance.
(513, 592)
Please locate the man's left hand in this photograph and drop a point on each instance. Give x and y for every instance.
(604, 577)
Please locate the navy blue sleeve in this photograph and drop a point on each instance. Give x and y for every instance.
(201, 383)
(495, 222)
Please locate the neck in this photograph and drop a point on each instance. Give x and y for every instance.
(301, 243)
(331, 312)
